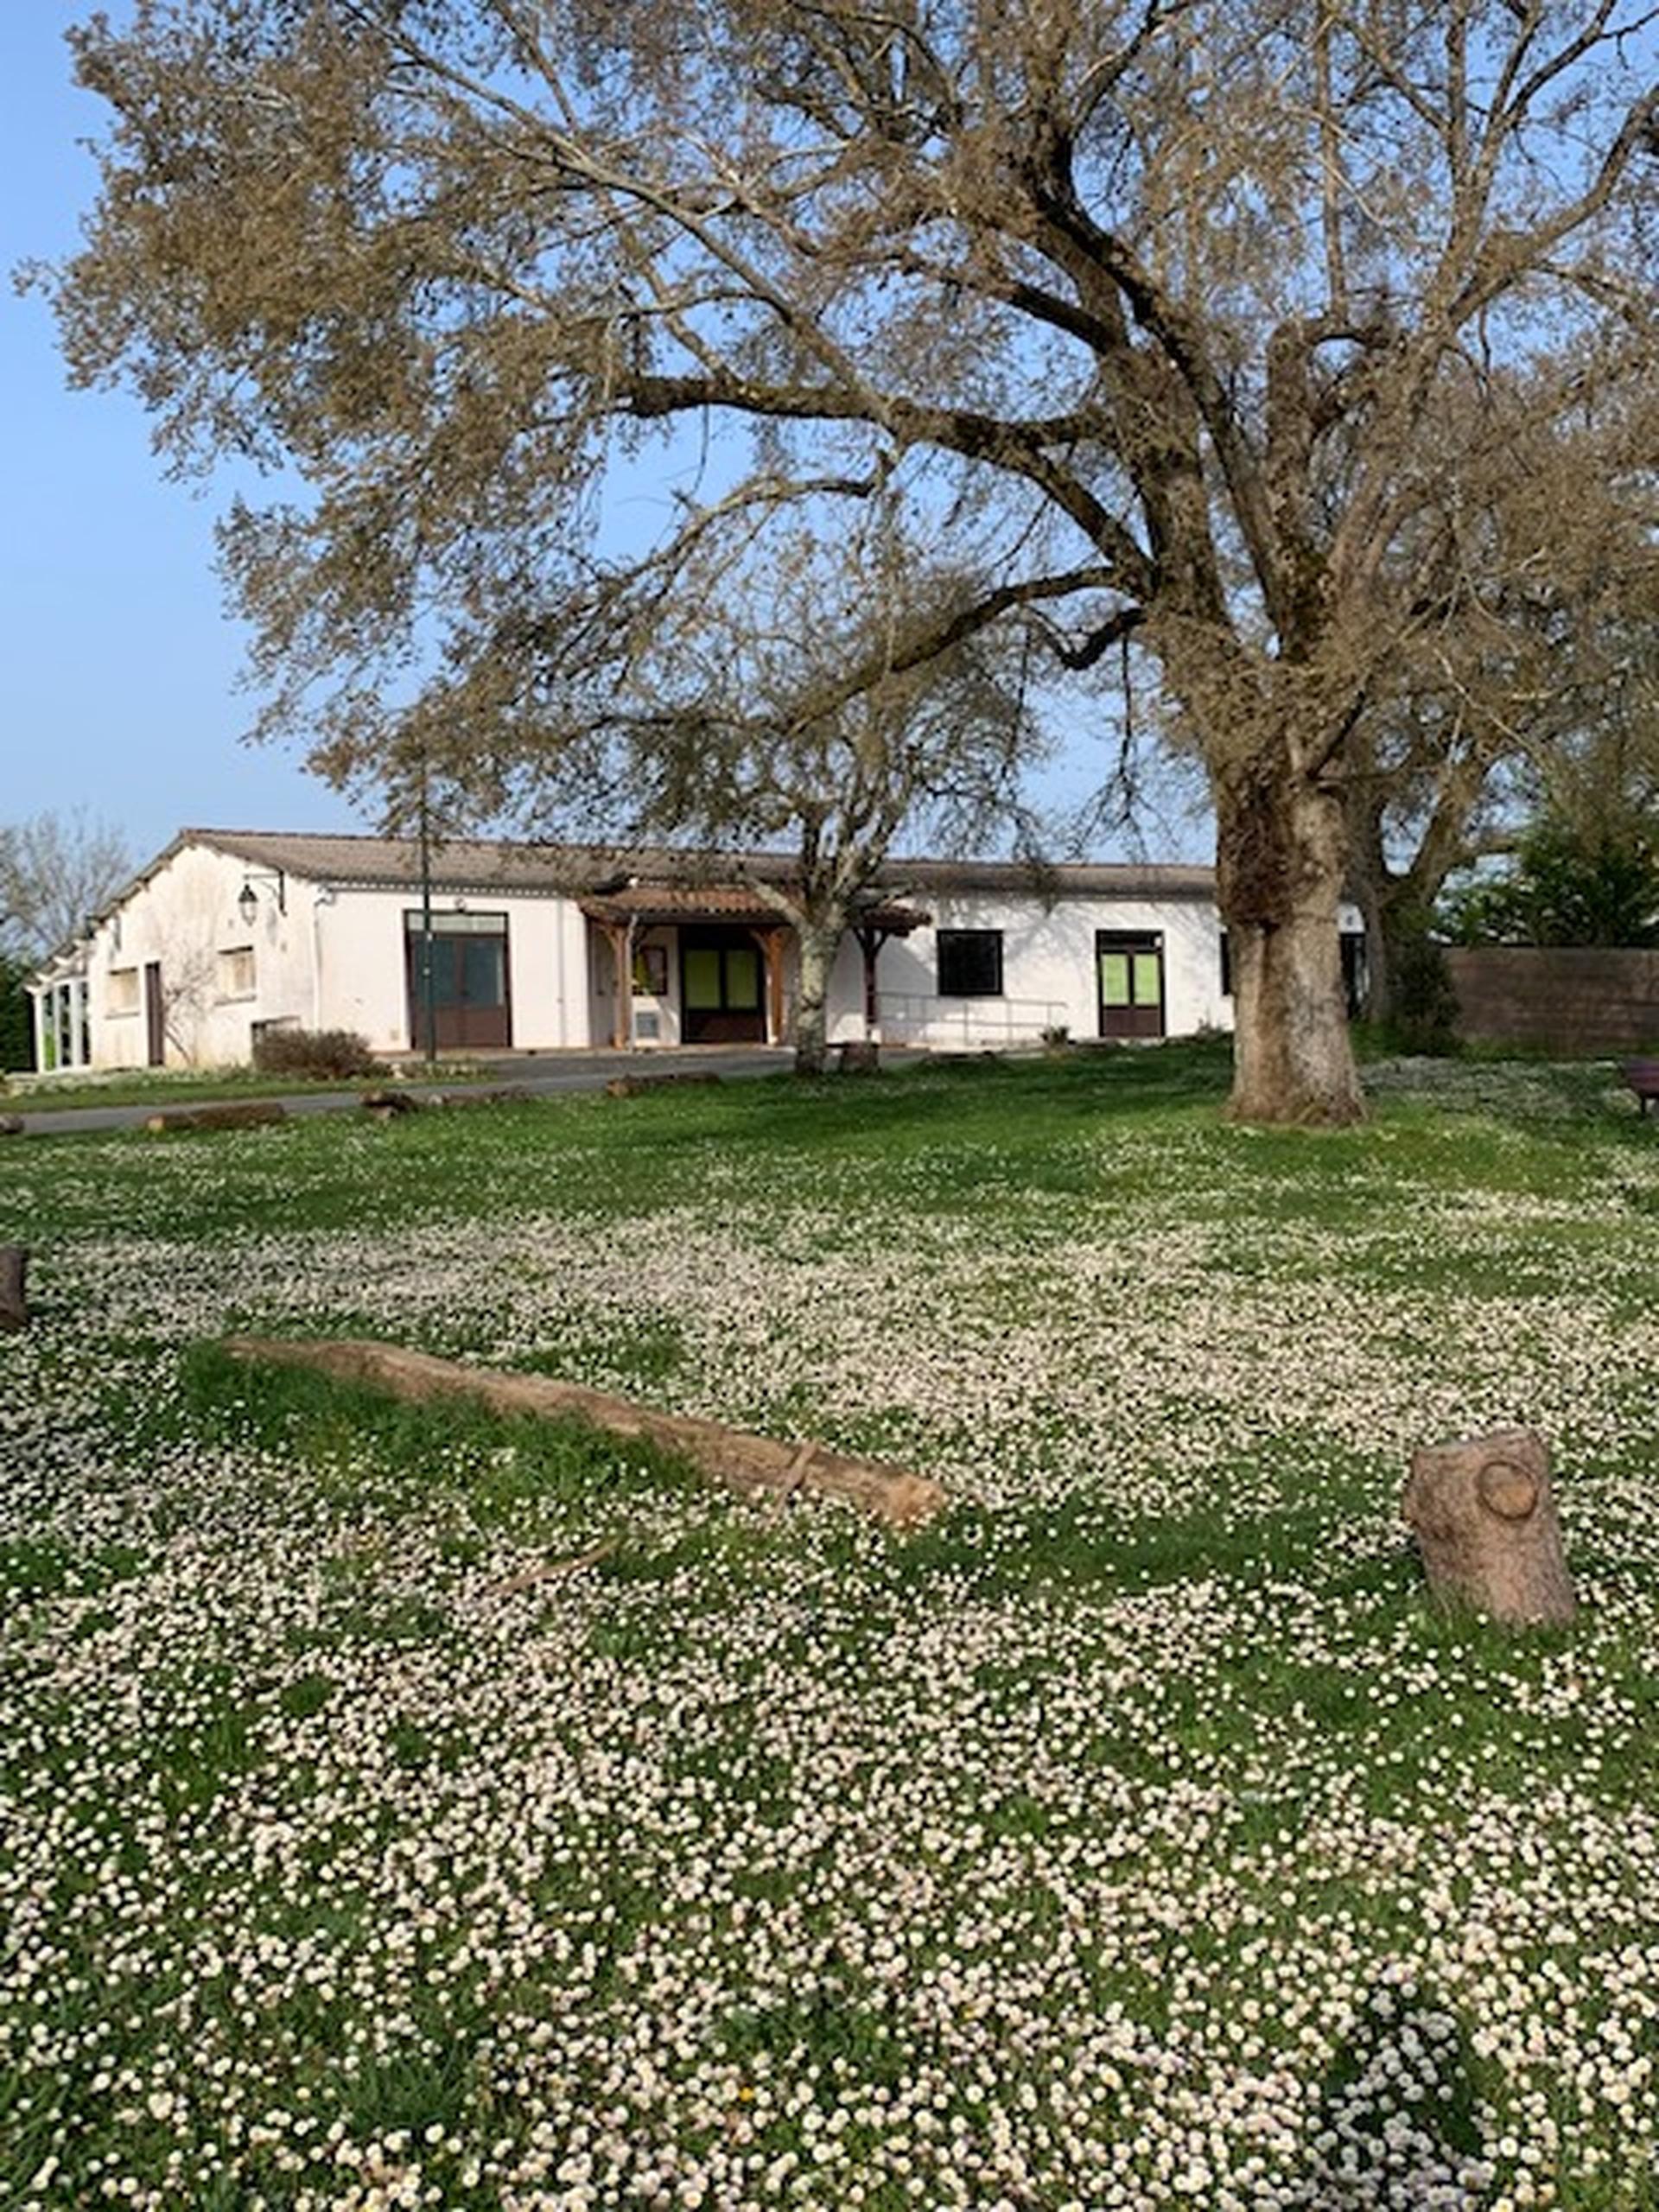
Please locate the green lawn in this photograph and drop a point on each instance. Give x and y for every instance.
(1136, 1836)
(180, 1087)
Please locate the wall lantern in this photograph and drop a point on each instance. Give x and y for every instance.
(247, 904)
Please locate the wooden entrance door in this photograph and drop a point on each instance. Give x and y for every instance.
(721, 987)
(472, 998)
(1129, 966)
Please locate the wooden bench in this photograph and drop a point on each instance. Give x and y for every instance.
(1643, 1076)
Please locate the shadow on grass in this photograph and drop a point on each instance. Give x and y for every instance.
(1395, 2125)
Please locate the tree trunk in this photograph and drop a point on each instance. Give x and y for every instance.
(819, 942)
(753, 1467)
(14, 1303)
(1485, 1522)
(1282, 864)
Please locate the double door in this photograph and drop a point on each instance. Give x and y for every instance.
(723, 987)
(470, 994)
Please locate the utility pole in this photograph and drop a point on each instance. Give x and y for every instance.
(429, 979)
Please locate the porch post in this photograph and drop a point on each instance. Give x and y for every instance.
(620, 935)
(870, 942)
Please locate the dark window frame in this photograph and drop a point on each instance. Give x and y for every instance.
(956, 951)
(1354, 968)
(1136, 1017)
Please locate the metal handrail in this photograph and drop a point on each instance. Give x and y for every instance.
(906, 1014)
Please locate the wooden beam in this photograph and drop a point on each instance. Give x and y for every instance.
(870, 942)
(619, 935)
(753, 1467)
(229, 1114)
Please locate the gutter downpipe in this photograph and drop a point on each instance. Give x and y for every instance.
(429, 979)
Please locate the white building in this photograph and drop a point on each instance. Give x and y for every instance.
(541, 948)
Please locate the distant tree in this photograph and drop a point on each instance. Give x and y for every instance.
(1178, 316)
(1569, 885)
(55, 871)
(1540, 698)
(16, 1029)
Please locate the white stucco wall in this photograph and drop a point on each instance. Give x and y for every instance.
(1048, 972)
(333, 957)
(184, 923)
(362, 972)
(328, 958)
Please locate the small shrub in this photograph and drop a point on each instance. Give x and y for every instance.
(1423, 1018)
(334, 1055)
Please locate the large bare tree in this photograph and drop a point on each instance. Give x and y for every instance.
(1170, 320)
(774, 711)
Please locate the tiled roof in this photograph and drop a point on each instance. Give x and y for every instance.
(668, 903)
(457, 863)
(593, 872)
(481, 864)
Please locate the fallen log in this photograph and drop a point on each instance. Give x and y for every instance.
(1486, 1525)
(753, 1467)
(389, 1105)
(229, 1114)
(635, 1086)
(14, 1303)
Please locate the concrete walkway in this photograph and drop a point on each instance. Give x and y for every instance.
(537, 1075)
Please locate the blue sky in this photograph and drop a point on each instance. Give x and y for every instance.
(117, 666)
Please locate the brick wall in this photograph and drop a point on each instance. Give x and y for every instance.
(1573, 1000)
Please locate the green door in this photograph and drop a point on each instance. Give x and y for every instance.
(722, 988)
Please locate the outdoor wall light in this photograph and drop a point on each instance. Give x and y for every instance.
(247, 904)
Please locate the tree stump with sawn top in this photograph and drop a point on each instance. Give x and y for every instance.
(1483, 1513)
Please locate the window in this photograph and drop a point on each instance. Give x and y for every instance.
(1355, 971)
(650, 971)
(970, 963)
(235, 972)
(124, 990)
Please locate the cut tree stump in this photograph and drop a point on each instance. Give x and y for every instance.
(753, 1467)
(1485, 1517)
(232, 1113)
(14, 1304)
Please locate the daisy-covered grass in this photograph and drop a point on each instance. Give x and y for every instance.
(401, 1806)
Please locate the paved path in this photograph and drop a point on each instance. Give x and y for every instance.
(540, 1074)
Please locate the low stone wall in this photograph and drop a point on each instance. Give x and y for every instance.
(1582, 999)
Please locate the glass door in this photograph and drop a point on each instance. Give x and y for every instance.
(722, 984)
(1130, 968)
